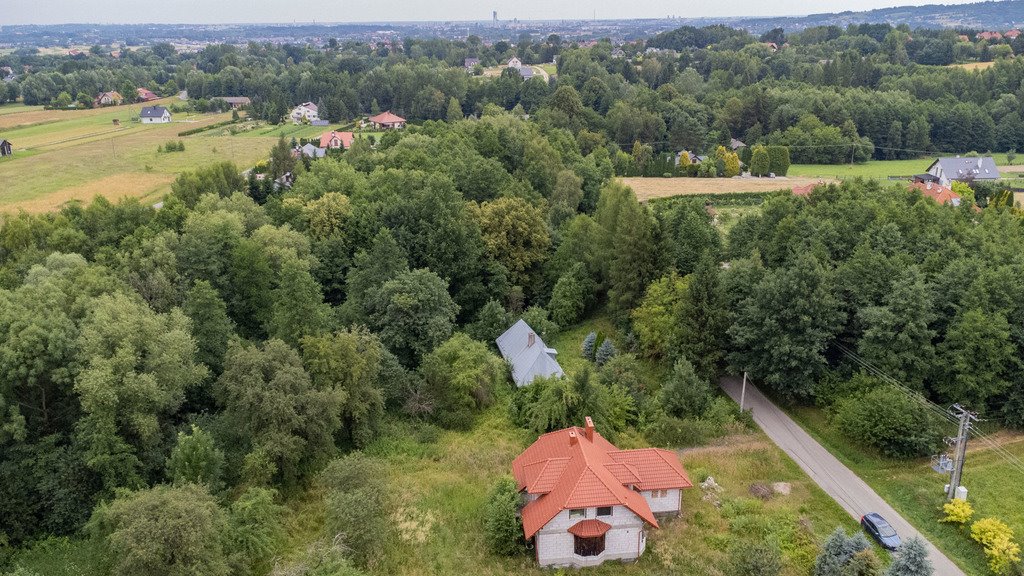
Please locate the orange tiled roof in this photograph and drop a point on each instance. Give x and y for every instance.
(386, 118)
(939, 193)
(589, 528)
(806, 189)
(578, 468)
(345, 137)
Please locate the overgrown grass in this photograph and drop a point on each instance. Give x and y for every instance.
(569, 343)
(916, 491)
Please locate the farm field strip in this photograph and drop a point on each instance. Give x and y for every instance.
(650, 188)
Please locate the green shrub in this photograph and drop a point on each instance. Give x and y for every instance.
(502, 527)
(754, 559)
(887, 419)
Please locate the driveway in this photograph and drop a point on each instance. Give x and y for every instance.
(838, 481)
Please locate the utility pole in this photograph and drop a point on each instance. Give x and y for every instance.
(966, 417)
(743, 391)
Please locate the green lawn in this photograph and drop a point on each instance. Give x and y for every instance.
(551, 69)
(879, 169)
(915, 490)
(15, 108)
(76, 155)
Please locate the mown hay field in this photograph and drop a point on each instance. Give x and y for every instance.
(650, 188)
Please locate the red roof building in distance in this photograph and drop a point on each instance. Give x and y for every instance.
(587, 501)
(336, 140)
(805, 190)
(145, 95)
(989, 36)
(1011, 34)
(387, 121)
(938, 192)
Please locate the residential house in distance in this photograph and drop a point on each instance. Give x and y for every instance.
(963, 169)
(527, 355)
(588, 502)
(336, 140)
(146, 95)
(694, 159)
(515, 62)
(470, 63)
(525, 71)
(5, 148)
(736, 144)
(387, 121)
(618, 53)
(938, 192)
(7, 73)
(155, 115)
(310, 151)
(989, 36)
(306, 111)
(108, 99)
(235, 102)
(1011, 34)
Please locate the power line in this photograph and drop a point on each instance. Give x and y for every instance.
(1012, 460)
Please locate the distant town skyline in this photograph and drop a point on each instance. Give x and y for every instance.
(284, 11)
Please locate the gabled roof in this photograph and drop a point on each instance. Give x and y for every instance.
(146, 94)
(386, 118)
(526, 353)
(937, 192)
(967, 168)
(345, 137)
(313, 151)
(308, 106)
(578, 468)
(153, 112)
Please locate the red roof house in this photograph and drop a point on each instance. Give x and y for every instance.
(939, 193)
(336, 140)
(146, 95)
(805, 190)
(387, 121)
(588, 501)
(1011, 34)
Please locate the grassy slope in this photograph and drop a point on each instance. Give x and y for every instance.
(872, 169)
(916, 491)
(82, 154)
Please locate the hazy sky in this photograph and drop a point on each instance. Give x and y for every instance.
(232, 11)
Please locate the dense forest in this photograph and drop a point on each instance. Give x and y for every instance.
(223, 351)
(171, 377)
(832, 95)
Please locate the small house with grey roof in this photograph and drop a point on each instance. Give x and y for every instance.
(527, 354)
(966, 169)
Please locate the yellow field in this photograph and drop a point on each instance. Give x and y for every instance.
(649, 188)
(76, 155)
(973, 65)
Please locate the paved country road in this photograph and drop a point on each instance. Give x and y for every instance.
(838, 481)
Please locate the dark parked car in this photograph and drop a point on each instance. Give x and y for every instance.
(880, 530)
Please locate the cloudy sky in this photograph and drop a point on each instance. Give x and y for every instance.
(234, 11)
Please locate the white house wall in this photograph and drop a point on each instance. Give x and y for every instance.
(625, 540)
(663, 504)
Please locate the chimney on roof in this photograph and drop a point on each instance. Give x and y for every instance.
(573, 439)
(531, 339)
(589, 428)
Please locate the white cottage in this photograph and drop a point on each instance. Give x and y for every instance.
(587, 501)
(155, 115)
(305, 111)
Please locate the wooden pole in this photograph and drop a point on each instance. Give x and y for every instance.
(743, 391)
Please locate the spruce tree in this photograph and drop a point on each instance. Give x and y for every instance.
(911, 560)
